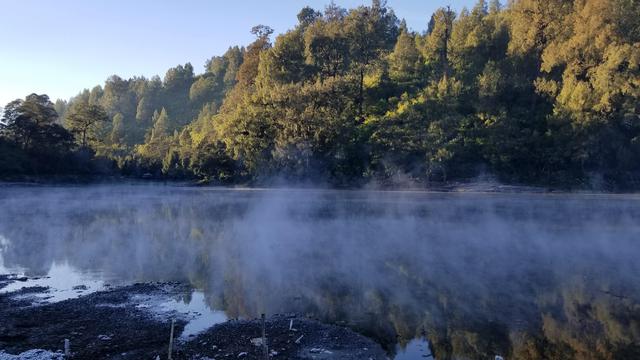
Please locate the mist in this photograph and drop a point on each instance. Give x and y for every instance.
(477, 274)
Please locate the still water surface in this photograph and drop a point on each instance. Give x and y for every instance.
(524, 276)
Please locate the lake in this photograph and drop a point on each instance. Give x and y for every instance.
(459, 275)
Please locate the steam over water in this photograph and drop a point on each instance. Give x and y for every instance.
(521, 275)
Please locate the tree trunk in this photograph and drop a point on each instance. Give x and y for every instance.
(361, 95)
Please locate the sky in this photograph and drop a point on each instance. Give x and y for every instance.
(59, 47)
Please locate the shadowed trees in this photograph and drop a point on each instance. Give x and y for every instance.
(530, 91)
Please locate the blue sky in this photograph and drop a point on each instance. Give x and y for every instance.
(60, 47)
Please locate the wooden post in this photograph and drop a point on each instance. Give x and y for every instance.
(67, 348)
(173, 323)
(265, 348)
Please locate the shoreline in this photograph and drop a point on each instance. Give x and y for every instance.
(119, 323)
(474, 187)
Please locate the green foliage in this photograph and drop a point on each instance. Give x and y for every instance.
(249, 69)
(85, 121)
(435, 45)
(31, 124)
(31, 140)
(154, 152)
(532, 92)
(406, 64)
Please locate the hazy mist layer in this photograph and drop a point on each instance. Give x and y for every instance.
(479, 274)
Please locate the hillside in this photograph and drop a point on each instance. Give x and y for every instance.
(528, 93)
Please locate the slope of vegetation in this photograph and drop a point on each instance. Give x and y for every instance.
(540, 92)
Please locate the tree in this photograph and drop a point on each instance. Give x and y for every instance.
(262, 31)
(307, 16)
(535, 91)
(28, 121)
(495, 6)
(117, 130)
(333, 12)
(592, 71)
(533, 25)
(84, 120)
(285, 63)
(405, 62)
(31, 137)
(436, 44)
(234, 58)
(327, 48)
(175, 98)
(154, 153)
(118, 98)
(60, 106)
(161, 125)
(203, 90)
(249, 68)
(370, 32)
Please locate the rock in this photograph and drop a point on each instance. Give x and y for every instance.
(35, 354)
(320, 351)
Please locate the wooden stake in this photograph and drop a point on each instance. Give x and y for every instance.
(173, 323)
(265, 348)
(67, 348)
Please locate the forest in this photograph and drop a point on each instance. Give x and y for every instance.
(530, 92)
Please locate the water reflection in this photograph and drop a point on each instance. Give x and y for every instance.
(62, 280)
(415, 349)
(523, 276)
(191, 306)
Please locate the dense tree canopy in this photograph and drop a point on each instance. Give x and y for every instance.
(85, 121)
(31, 140)
(531, 91)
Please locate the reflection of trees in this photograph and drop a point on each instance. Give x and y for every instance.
(593, 322)
(473, 276)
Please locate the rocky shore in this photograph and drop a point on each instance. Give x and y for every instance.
(119, 323)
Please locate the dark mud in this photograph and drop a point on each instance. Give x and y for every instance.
(288, 337)
(112, 325)
(103, 325)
